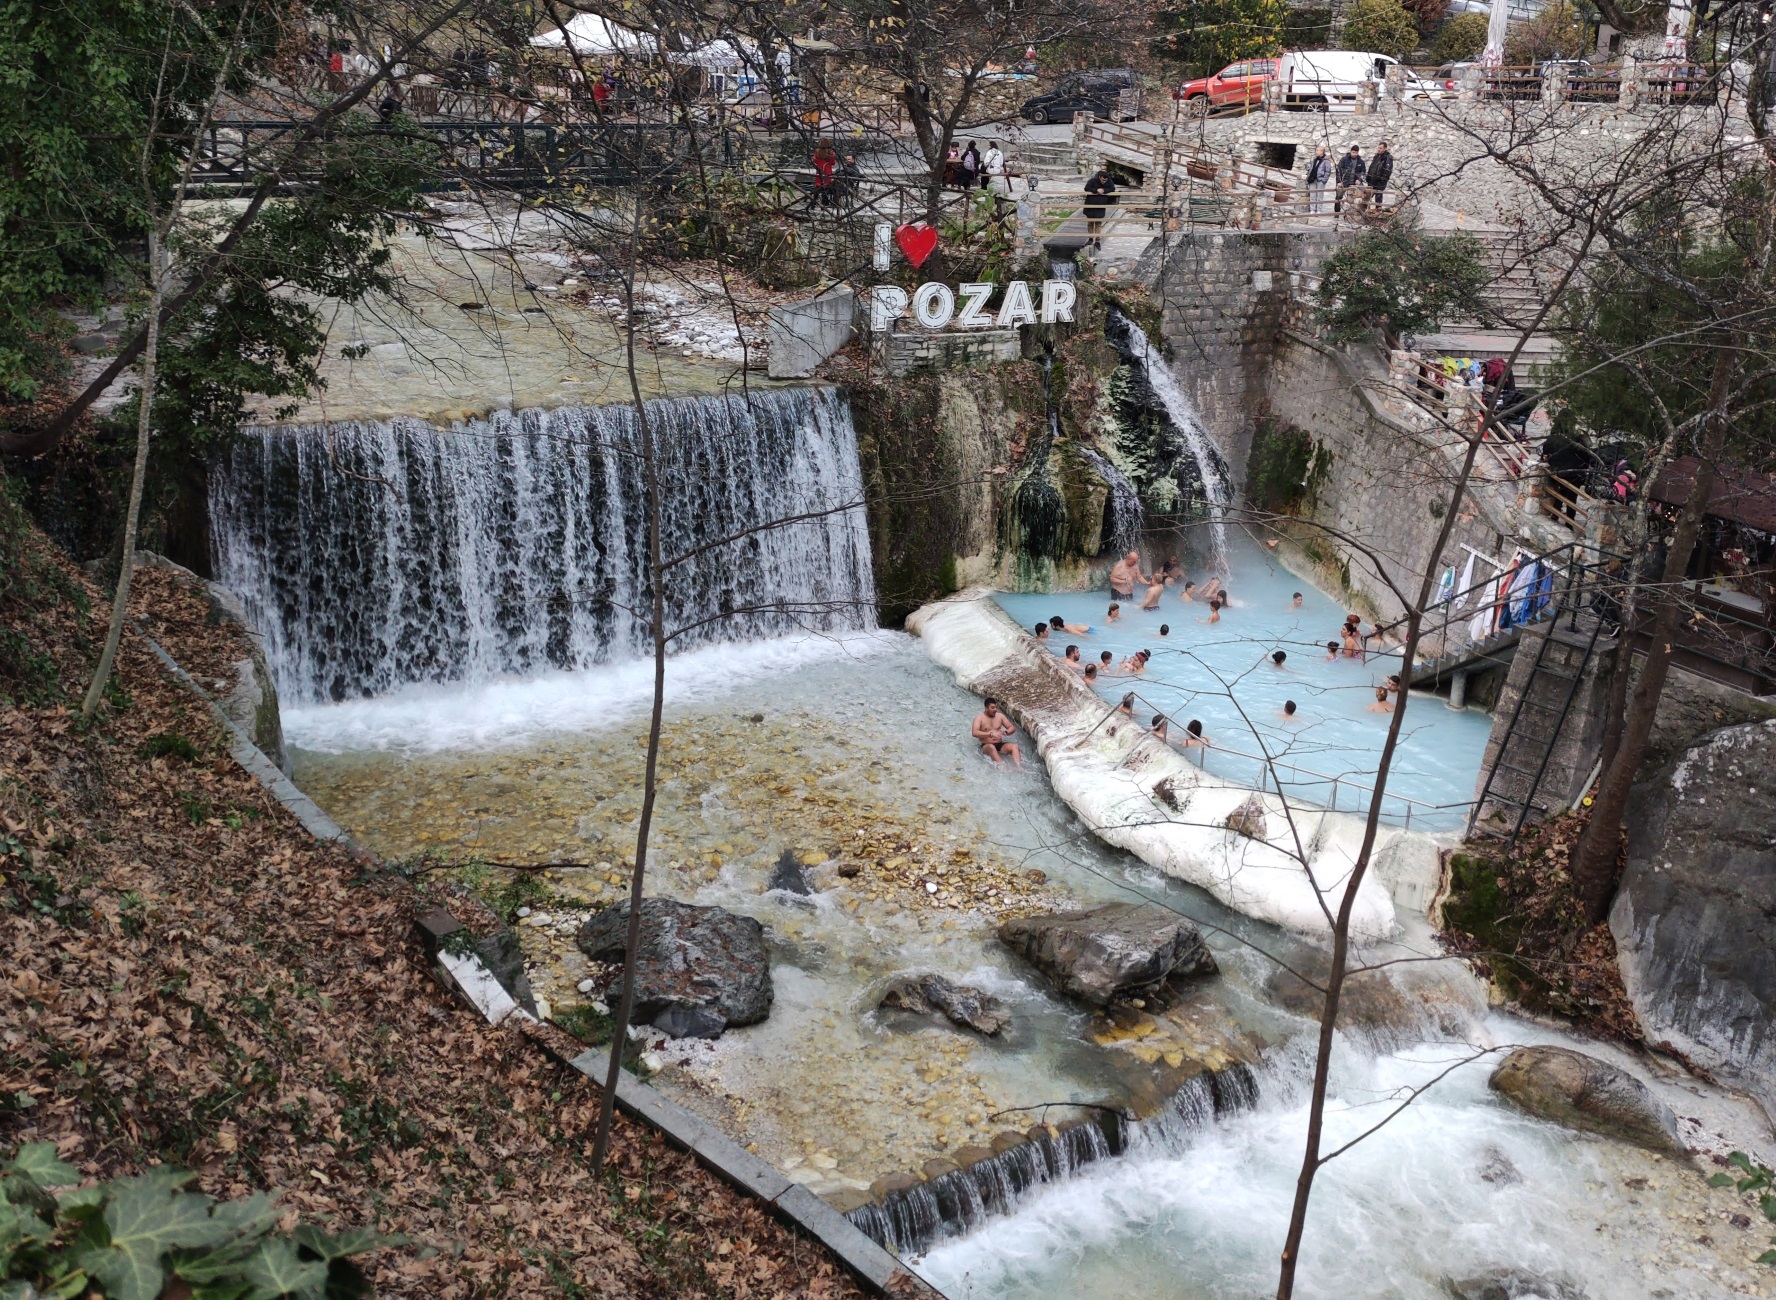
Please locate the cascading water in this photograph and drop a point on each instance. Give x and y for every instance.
(376, 555)
(1124, 516)
(1182, 413)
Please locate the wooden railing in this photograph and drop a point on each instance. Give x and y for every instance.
(1566, 502)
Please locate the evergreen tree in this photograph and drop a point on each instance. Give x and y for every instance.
(1205, 37)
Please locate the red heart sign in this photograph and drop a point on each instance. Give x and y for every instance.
(917, 240)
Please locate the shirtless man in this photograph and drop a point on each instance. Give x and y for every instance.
(1061, 625)
(1113, 613)
(1072, 659)
(1155, 590)
(1214, 613)
(992, 730)
(1188, 595)
(1125, 575)
(1382, 703)
(1295, 602)
(1287, 714)
(1040, 631)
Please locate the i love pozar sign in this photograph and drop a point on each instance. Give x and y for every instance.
(936, 306)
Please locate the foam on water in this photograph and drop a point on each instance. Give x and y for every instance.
(1458, 1185)
(429, 719)
(1221, 674)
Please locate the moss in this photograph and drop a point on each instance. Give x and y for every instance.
(1281, 469)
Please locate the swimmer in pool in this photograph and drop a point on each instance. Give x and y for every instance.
(1288, 711)
(1159, 726)
(1188, 595)
(1137, 662)
(993, 731)
(1077, 629)
(1331, 652)
(1040, 632)
(1214, 613)
(1393, 684)
(1193, 735)
(1165, 629)
(1276, 659)
(1114, 612)
(1382, 703)
(1154, 591)
(1127, 707)
(1295, 601)
(1072, 660)
(1090, 674)
(1106, 663)
(1211, 589)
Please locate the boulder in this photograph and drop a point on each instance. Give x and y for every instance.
(500, 952)
(1582, 1092)
(1691, 917)
(960, 1004)
(1111, 950)
(695, 966)
(789, 876)
(1513, 1284)
(1248, 819)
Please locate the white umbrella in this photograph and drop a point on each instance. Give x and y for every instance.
(1677, 31)
(1496, 22)
(591, 34)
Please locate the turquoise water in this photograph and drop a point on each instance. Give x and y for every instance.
(1222, 675)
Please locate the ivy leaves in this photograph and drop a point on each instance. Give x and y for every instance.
(124, 1240)
(1756, 1178)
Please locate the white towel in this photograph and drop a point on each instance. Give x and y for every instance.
(1466, 582)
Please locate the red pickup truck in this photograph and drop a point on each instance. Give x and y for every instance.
(1237, 83)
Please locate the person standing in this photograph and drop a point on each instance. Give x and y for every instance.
(1381, 168)
(1319, 182)
(1100, 191)
(994, 176)
(1349, 176)
(850, 180)
(970, 166)
(826, 165)
(952, 167)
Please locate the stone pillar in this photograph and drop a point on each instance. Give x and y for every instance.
(1368, 92)
(1273, 96)
(1024, 241)
(1458, 689)
(1467, 84)
(1394, 87)
(1554, 89)
(1632, 86)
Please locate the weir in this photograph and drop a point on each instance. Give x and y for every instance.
(374, 555)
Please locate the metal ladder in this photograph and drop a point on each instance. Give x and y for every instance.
(1535, 764)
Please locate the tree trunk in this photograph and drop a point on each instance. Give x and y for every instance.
(1595, 857)
(650, 778)
(138, 476)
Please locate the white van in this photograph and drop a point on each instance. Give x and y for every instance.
(1331, 79)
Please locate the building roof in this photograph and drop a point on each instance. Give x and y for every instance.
(1741, 496)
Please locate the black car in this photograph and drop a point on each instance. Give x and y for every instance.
(1093, 92)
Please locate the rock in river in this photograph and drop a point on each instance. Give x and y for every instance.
(935, 995)
(701, 960)
(1582, 1092)
(1109, 950)
(1692, 916)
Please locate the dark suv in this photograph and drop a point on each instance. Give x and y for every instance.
(1093, 92)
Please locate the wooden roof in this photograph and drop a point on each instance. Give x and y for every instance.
(1741, 496)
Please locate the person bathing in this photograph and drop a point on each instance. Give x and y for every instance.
(1125, 574)
(993, 730)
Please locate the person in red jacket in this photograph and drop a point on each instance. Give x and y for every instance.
(826, 164)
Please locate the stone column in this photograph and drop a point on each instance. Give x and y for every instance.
(1554, 89)
(1458, 689)
(1394, 87)
(1467, 85)
(1368, 92)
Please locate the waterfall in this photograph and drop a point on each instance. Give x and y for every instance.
(373, 555)
(1124, 515)
(1182, 413)
(963, 1199)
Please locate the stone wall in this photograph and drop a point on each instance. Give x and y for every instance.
(803, 334)
(908, 351)
(1378, 480)
(1441, 149)
(1222, 296)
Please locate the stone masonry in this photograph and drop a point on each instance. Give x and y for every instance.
(1580, 740)
(902, 352)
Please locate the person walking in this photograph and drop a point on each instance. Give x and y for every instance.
(850, 180)
(1319, 182)
(952, 167)
(1381, 168)
(1349, 176)
(1100, 191)
(994, 176)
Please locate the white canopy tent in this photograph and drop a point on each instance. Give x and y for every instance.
(589, 34)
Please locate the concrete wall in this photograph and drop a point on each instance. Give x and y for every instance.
(803, 334)
(907, 351)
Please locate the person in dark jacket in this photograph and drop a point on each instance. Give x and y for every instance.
(1099, 191)
(1381, 167)
(1349, 176)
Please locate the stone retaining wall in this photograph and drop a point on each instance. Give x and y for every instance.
(905, 352)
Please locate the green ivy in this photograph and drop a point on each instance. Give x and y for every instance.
(1752, 1177)
(126, 1238)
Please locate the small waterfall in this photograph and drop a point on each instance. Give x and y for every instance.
(373, 555)
(912, 1220)
(1123, 513)
(1038, 517)
(1181, 411)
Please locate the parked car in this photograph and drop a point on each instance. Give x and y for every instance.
(1327, 80)
(1449, 75)
(1237, 83)
(1095, 92)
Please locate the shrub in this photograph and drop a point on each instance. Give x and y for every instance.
(167, 745)
(1426, 13)
(1397, 280)
(1381, 26)
(1207, 36)
(1463, 37)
